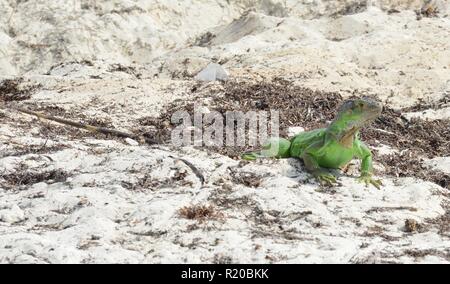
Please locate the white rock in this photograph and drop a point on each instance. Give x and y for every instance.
(294, 130)
(131, 142)
(443, 113)
(12, 215)
(439, 163)
(212, 72)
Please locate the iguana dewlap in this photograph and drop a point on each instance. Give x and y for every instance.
(332, 147)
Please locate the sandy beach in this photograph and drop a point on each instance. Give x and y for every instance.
(72, 196)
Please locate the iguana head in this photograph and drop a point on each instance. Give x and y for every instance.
(353, 115)
(359, 112)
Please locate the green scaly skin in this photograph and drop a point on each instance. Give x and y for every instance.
(332, 147)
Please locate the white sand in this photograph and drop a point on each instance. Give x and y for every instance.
(94, 216)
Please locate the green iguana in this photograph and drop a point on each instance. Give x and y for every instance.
(332, 147)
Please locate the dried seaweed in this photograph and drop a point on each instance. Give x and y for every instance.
(16, 90)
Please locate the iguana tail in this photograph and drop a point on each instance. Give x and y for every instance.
(274, 147)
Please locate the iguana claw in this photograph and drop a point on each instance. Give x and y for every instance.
(325, 178)
(367, 179)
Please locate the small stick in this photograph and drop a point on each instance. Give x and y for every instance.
(95, 129)
(196, 171)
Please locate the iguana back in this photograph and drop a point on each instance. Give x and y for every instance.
(302, 140)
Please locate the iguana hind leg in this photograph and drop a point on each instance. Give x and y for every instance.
(312, 165)
(273, 148)
(322, 176)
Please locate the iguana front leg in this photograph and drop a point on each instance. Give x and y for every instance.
(366, 166)
(322, 176)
